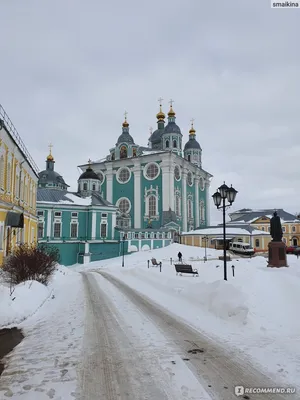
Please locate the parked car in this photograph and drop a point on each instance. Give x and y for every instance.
(290, 249)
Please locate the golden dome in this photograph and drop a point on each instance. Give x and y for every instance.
(160, 115)
(171, 112)
(192, 131)
(50, 156)
(125, 124)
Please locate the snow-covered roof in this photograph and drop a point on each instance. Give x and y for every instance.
(230, 231)
(249, 215)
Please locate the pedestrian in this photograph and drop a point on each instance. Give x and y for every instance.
(179, 257)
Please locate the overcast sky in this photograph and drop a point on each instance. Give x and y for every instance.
(70, 68)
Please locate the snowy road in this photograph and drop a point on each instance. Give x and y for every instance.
(134, 349)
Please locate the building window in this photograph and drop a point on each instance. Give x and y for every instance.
(123, 152)
(1, 236)
(256, 242)
(104, 215)
(293, 229)
(124, 205)
(177, 173)
(40, 230)
(123, 175)
(2, 172)
(40, 213)
(57, 214)
(189, 157)
(74, 214)
(269, 229)
(190, 179)
(262, 228)
(152, 206)
(202, 184)
(74, 230)
(94, 186)
(167, 144)
(101, 177)
(202, 210)
(103, 230)
(9, 177)
(283, 229)
(284, 240)
(57, 229)
(174, 144)
(151, 171)
(85, 186)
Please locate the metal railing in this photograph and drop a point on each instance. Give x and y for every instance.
(16, 137)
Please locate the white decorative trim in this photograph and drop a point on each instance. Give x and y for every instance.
(124, 198)
(192, 175)
(118, 173)
(146, 168)
(177, 166)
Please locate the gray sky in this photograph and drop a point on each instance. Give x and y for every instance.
(70, 68)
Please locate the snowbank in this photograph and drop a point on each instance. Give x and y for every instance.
(27, 297)
(256, 309)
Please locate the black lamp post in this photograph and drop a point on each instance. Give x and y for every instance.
(224, 193)
(206, 239)
(123, 242)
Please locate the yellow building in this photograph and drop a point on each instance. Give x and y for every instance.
(212, 237)
(260, 219)
(18, 188)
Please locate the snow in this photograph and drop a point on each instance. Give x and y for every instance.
(257, 309)
(80, 201)
(229, 231)
(254, 313)
(25, 299)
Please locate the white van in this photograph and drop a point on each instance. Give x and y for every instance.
(241, 248)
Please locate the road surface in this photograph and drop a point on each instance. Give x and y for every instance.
(135, 349)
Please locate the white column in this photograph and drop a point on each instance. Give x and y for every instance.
(137, 195)
(109, 183)
(184, 205)
(87, 256)
(207, 205)
(94, 220)
(197, 211)
(49, 223)
(165, 169)
(113, 224)
(171, 185)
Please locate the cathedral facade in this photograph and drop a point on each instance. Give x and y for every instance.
(162, 186)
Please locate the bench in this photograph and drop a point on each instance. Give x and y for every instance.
(185, 269)
(155, 263)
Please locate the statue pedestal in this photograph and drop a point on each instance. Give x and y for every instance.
(277, 255)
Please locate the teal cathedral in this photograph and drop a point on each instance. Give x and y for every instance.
(136, 198)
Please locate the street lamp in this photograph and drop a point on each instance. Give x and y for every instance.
(206, 239)
(224, 193)
(123, 241)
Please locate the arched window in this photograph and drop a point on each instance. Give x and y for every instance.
(189, 157)
(295, 241)
(190, 209)
(2, 172)
(152, 206)
(174, 144)
(85, 186)
(9, 177)
(293, 229)
(202, 210)
(123, 152)
(167, 144)
(256, 242)
(94, 186)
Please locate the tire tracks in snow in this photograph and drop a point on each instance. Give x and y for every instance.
(218, 369)
(113, 368)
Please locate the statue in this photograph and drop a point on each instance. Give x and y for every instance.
(275, 228)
